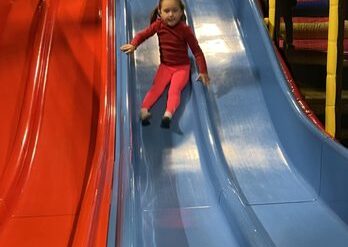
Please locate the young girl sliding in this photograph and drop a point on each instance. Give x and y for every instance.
(168, 21)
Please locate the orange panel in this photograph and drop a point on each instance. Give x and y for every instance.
(67, 133)
(14, 51)
(46, 230)
(55, 125)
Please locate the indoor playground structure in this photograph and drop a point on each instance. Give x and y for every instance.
(246, 162)
(317, 55)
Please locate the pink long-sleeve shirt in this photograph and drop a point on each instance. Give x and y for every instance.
(173, 43)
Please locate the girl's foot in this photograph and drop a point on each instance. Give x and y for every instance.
(165, 124)
(145, 116)
(167, 118)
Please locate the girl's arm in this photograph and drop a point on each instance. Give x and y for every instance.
(199, 56)
(204, 78)
(141, 37)
(127, 48)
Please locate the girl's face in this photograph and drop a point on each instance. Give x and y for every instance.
(171, 12)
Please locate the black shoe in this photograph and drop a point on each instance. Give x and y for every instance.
(146, 121)
(165, 124)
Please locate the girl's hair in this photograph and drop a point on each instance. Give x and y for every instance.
(155, 13)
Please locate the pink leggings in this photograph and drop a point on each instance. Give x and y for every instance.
(177, 76)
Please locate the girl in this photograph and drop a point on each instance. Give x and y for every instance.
(168, 21)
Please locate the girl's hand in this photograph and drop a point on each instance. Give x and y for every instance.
(204, 78)
(127, 48)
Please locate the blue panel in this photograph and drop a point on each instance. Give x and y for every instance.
(168, 196)
(334, 182)
(303, 225)
(241, 164)
(246, 133)
(312, 8)
(298, 139)
(334, 175)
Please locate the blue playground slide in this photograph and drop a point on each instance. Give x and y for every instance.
(241, 165)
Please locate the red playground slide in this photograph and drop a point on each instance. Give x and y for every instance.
(57, 121)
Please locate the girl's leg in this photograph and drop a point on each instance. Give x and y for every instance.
(180, 79)
(162, 79)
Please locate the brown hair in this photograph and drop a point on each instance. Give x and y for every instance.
(155, 13)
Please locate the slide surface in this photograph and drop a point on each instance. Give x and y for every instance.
(242, 165)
